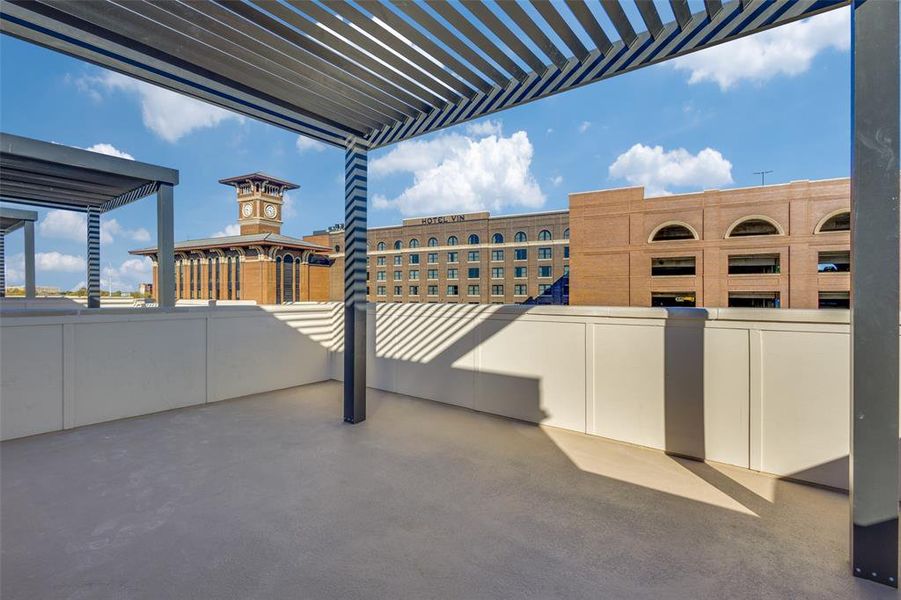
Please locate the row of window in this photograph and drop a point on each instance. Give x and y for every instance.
(497, 238)
(519, 289)
(750, 227)
(749, 299)
(750, 264)
(472, 256)
(544, 272)
(190, 271)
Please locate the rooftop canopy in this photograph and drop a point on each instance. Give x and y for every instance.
(12, 219)
(57, 176)
(380, 70)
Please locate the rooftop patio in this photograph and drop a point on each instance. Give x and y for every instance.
(269, 495)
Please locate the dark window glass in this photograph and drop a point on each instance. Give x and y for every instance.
(754, 264)
(673, 232)
(751, 227)
(754, 300)
(679, 265)
(834, 262)
(835, 300)
(839, 222)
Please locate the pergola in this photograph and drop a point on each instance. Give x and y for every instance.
(12, 219)
(369, 73)
(56, 176)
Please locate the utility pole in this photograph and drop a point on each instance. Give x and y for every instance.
(763, 175)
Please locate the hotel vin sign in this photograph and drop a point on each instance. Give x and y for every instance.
(446, 219)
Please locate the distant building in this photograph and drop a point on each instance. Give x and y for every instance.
(145, 289)
(260, 263)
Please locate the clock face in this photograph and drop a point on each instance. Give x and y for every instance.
(270, 211)
(246, 209)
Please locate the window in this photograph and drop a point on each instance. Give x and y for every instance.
(452, 257)
(835, 300)
(565, 251)
(678, 265)
(497, 290)
(497, 255)
(473, 239)
(380, 290)
(497, 238)
(671, 233)
(414, 290)
(521, 254)
(414, 243)
(432, 274)
(520, 272)
(414, 259)
(398, 261)
(472, 290)
(754, 264)
(520, 236)
(545, 253)
(754, 299)
(544, 271)
(543, 288)
(398, 275)
(834, 262)
(673, 299)
(753, 227)
(380, 246)
(453, 290)
(380, 276)
(452, 240)
(398, 245)
(497, 272)
(839, 222)
(473, 273)
(566, 233)
(565, 270)
(544, 235)
(452, 273)
(433, 290)
(433, 258)
(413, 275)
(520, 289)
(473, 256)
(380, 261)
(398, 290)
(433, 242)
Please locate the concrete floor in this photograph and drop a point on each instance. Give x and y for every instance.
(273, 497)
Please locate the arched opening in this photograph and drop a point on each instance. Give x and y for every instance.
(398, 245)
(544, 235)
(754, 226)
(473, 239)
(497, 238)
(414, 243)
(566, 233)
(452, 241)
(278, 280)
(433, 242)
(670, 232)
(520, 236)
(837, 221)
(380, 246)
(288, 279)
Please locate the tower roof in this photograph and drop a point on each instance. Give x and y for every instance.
(259, 177)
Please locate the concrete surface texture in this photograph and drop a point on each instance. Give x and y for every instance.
(272, 496)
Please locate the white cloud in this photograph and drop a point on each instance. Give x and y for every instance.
(56, 261)
(787, 50)
(584, 126)
(483, 128)
(15, 269)
(657, 169)
(168, 114)
(454, 172)
(556, 180)
(288, 209)
(111, 150)
(230, 230)
(68, 225)
(305, 144)
(127, 275)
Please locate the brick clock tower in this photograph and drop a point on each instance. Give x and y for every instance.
(260, 201)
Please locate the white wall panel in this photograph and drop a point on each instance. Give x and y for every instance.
(31, 380)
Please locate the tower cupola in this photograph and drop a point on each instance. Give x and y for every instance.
(260, 201)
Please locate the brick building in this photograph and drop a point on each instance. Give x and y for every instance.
(260, 263)
(772, 246)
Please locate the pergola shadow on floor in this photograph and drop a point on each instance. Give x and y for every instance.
(270, 496)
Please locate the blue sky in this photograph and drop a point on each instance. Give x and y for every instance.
(776, 101)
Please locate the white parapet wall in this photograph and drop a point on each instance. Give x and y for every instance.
(761, 389)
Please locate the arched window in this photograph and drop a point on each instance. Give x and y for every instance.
(380, 246)
(840, 221)
(566, 233)
(288, 279)
(433, 242)
(473, 239)
(452, 240)
(278, 280)
(398, 245)
(753, 226)
(669, 232)
(544, 235)
(337, 247)
(414, 243)
(497, 238)
(520, 236)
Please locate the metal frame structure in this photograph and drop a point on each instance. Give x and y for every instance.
(365, 74)
(12, 219)
(56, 176)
